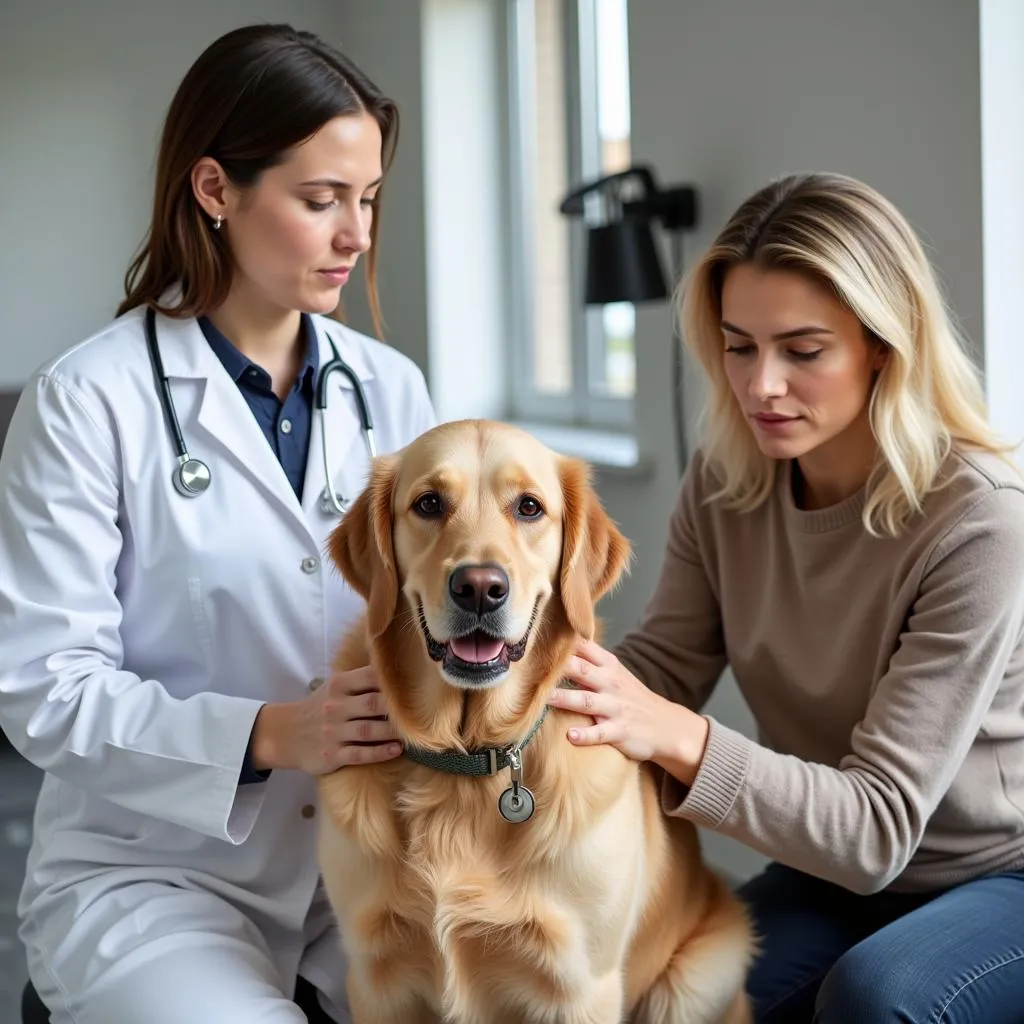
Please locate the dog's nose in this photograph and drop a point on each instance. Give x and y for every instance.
(479, 588)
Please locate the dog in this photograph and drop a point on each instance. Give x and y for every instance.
(481, 554)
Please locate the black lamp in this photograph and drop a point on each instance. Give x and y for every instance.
(623, 264)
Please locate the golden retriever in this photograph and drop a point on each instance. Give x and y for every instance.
(480, 554)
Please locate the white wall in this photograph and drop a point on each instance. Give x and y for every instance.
(83, 91)
(466, 254)
(1002, 124)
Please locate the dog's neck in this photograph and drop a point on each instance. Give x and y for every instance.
(431, 714)
(465, 720)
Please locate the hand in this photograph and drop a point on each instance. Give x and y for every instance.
(342, 722)
(629, 716)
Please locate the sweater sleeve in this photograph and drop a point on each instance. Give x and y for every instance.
(678, 649)
(859, 824)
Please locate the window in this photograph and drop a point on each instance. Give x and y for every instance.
(569, 99)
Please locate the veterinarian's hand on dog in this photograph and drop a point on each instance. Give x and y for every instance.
(339, 723)
(636, 721)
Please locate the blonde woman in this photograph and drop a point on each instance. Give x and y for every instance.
(850, 542)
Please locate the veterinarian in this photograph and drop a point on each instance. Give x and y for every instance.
(167, 619)
(849, 540)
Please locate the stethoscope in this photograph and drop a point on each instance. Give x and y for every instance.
(191, 476)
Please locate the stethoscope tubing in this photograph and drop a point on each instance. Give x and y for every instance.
(192, 476)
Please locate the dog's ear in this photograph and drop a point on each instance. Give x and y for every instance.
(594, 552)
(362, 548)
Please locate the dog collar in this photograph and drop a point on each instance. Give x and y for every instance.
(488, 761)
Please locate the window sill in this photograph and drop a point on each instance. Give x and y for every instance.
(611, 452)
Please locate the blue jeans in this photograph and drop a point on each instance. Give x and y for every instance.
(833, 957)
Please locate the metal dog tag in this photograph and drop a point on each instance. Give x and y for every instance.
(516, 806)
(516, 803)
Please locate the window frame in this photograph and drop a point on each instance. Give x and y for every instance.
(584, 405)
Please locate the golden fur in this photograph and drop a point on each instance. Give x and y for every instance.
(599, 908)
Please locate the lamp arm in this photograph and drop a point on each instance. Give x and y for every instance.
(572, 204)
(675, 207)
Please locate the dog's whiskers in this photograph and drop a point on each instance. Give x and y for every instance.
(407, 623)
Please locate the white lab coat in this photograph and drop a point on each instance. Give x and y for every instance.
(140, 631)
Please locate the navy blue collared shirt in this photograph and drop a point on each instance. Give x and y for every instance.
(286, 426)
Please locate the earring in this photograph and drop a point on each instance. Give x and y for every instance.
(217, 221)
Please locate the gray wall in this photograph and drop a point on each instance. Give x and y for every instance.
(84, 88)
(384, 37)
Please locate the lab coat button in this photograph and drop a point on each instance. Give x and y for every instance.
(315, 683)
(308, 811)
(309, 565)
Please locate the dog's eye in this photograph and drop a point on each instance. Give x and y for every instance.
(429, 504)
(529, 508)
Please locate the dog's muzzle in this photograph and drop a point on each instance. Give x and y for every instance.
(477, 651)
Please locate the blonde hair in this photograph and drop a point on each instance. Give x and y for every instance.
(927, 398)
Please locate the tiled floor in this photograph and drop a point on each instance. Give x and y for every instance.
(19, 782)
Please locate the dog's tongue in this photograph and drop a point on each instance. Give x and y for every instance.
(476, 648)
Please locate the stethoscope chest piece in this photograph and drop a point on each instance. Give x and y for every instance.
(191, 477)
(328, 506)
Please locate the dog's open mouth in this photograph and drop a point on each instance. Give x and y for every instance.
(476, 657)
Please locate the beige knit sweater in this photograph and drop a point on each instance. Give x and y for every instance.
(886, 677)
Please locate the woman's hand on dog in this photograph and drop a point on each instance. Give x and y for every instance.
(342, 722)
(627, 715)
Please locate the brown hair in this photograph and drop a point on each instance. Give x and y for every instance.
(251, 96)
